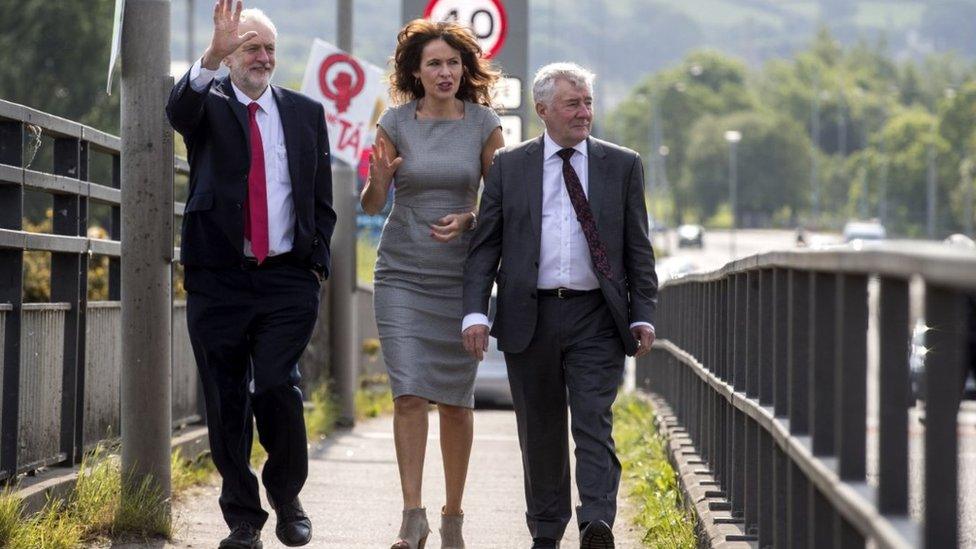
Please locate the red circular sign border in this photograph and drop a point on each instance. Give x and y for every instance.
(504, 22)
(334, 59)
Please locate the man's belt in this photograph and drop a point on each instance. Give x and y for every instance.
(564, 293)
(286, 258)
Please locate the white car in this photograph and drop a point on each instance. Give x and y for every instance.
(864, 230)
(691, 236)
(491, 381)
(674, 266)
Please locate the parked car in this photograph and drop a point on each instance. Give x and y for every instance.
(864, 230)
(491, 382)
(691, 236)
(916, 366)
(674, 266)
(960, 241)
(655, 226)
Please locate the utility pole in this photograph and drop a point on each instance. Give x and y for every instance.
(341, 290)
(147, 247)
(733, 137)
(883, 176)
(966, 172)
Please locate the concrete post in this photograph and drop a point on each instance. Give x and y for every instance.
(147, 244)
(344, 363)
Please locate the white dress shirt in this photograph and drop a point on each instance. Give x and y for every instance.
(281, 209)
(564, 256)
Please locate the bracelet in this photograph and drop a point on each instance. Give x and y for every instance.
(474, 221)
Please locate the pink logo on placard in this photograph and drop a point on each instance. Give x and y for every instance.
(341, 79)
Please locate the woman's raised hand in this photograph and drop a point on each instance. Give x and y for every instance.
(382, 164)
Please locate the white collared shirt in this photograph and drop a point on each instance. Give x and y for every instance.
(564, 256)
(281, 209)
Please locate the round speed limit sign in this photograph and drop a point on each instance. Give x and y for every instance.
(486, 18)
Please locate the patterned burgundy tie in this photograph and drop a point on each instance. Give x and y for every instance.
(256, 220)
(598, 252)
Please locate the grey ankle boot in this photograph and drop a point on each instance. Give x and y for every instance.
(451, 531)
(413, 529)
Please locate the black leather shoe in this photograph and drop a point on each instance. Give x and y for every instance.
(243, 536)
(293, 527)
(545, 543)
(596, 535)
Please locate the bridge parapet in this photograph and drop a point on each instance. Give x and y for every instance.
(768, 363)
(61, 361)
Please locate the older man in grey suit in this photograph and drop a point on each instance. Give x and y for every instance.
(564, 214)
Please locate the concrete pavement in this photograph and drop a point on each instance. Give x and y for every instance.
(353, 494)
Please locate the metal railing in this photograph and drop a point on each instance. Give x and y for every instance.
(764, 364)
(61, 361)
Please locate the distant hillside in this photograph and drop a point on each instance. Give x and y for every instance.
(625, 39)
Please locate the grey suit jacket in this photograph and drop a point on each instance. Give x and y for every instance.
(509, 231)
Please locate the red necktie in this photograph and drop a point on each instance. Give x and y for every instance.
(256, 220)
(598, 253)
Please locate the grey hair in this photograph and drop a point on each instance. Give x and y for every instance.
(259, 16)
(544, 84)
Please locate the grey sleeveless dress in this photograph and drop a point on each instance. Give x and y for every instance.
(418, 280)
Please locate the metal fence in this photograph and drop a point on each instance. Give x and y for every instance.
(61, 361)
(764, 364)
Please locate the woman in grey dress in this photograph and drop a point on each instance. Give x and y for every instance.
(435, 145)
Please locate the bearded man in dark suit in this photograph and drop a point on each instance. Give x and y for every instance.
(255, 246)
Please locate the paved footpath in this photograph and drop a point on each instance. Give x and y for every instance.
(353, 495)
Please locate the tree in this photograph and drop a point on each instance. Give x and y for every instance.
(669, 103)
(897, 160)
(773, 165)
(58, 58)
(957, 126)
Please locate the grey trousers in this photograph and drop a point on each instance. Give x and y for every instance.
(575, 358)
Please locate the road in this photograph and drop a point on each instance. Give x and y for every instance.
(718, 250)
(721, 246)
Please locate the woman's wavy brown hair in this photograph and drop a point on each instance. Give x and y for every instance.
(478, 76)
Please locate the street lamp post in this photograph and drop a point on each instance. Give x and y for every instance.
(930, 185)
(733, 137)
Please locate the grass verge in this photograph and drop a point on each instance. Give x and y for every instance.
(651, 482)
(95, 510)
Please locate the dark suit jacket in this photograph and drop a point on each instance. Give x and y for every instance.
(510, 228)
(214, 125)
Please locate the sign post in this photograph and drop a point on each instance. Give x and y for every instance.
(349, 89)
(501, 27)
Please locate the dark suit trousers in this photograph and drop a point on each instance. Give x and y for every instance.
(575, 357)
(248, 329)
